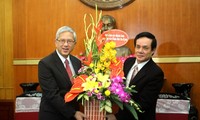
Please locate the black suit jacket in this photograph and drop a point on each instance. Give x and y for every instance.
(149, 81)
(55, 83)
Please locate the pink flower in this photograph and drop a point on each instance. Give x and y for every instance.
(117, 79)
(124, 97)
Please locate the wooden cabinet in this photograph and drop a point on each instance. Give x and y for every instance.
(6, 109)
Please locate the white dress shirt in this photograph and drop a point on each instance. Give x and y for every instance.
(140, 65)
(63, 61)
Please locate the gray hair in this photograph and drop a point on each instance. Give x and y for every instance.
(65, 29)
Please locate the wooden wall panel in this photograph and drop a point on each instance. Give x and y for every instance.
(25, 74)
(183, 73)
(175, 24)
(6, 50)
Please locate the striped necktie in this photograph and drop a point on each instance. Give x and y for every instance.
(135, 71)
(68, 69)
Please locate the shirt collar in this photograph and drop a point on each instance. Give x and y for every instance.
(140, 65)
(62, 58)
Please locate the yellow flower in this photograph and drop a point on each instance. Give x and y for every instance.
(107, 46)
(106, 84)
(113, 53)
(91, 65)
(90, 84)
(96, 70)
(107, 92)
(107, 64)
(104, 79)
(102, 58)
(100, 66)
(112, 44)
(96, 91)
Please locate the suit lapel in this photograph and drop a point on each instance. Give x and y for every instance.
(142, 72)
(138, 76)
(59, 65)
(74, 64)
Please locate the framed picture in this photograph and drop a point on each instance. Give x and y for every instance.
(107, 4)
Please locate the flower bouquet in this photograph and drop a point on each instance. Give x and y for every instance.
(100, 81)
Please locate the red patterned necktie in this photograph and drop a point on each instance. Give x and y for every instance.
(68, 70)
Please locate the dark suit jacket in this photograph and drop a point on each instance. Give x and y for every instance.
(54, 82)
(149, 81)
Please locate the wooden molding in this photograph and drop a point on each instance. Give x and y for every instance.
(183, 59)
(26, 62)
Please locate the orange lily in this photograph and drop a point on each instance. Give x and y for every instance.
(89, 59)
(98, 28)
(100, 41)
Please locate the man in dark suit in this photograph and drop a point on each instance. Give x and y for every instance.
(55, 81)
(148, 80)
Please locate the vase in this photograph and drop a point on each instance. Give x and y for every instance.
(27, 87)
(184, 90)
(92, 110)
(30, 90)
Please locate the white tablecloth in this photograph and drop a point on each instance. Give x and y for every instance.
(31, 104)
(27, 104)
(172, 106)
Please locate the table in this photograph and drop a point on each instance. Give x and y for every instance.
(172, 109)
(7, 109)
(27, 108)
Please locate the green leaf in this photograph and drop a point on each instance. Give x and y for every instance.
(108, 109)
(132, 110)
(120, 104)
(136, 106)
(82, 101)
(117, 101)
(86, 97)
(102, 103)
(80, 96)
(108, 103)
(101, 108)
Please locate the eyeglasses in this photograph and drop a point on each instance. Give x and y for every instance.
(68, 41)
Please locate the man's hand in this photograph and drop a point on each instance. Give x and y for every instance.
(111, 117)
(79, 115)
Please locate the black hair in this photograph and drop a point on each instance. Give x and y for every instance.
(148, 35)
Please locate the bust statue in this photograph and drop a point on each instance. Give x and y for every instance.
(108, 24)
